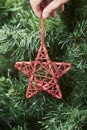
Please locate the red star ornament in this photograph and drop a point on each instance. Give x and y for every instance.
(43, 74)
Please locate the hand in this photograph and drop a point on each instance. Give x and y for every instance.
(49, 7)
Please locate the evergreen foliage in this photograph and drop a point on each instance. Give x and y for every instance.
(66, 40)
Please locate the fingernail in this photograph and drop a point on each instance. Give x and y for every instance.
(45, 15)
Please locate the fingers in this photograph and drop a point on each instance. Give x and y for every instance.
(53, 6)
(36, 7)
(50, 8)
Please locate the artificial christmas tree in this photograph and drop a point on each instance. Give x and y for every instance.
(66, 41)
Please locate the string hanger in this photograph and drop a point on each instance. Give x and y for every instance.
(42, 28)
(42, 31)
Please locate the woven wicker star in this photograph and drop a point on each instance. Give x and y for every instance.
(43, 74)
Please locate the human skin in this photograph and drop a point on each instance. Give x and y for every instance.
(50, 7)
